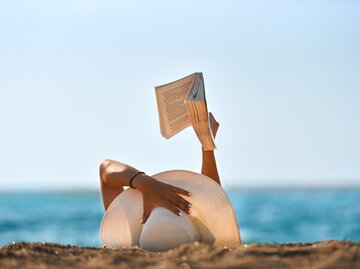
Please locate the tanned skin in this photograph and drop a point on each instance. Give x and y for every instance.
(115, 175)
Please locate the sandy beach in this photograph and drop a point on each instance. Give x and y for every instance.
(323, 254)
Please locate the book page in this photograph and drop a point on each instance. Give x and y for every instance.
(172, 111)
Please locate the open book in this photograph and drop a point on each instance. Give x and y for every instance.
(182, 103)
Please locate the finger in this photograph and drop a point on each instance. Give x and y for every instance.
(146, 215)
(181, 200)
(211, 115)
(212, 118)
(180, 203)
(214, 124)
(172, 208)
(180, 191)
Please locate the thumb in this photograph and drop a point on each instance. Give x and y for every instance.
(146, 215)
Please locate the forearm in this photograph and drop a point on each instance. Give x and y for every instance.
(116, 174)
(209, 167)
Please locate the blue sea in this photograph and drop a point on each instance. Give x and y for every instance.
(269, 216)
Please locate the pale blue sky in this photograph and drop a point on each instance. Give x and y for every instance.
(77, 78)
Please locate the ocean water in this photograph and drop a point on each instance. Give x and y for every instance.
(269, 216)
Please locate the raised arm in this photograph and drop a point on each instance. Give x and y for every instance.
(208, 157)
(115, 175)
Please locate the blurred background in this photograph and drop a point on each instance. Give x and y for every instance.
(77, 84)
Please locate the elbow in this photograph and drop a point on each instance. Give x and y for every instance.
(104, 170)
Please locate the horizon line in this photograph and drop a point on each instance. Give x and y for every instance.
(239, 187)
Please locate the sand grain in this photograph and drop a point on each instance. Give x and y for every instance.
(318, 255)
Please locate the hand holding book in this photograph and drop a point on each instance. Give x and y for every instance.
(182, 103)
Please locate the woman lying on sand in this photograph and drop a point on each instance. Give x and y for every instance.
(167, 209)
(115, 175)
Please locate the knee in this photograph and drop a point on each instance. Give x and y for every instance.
(103, 168)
